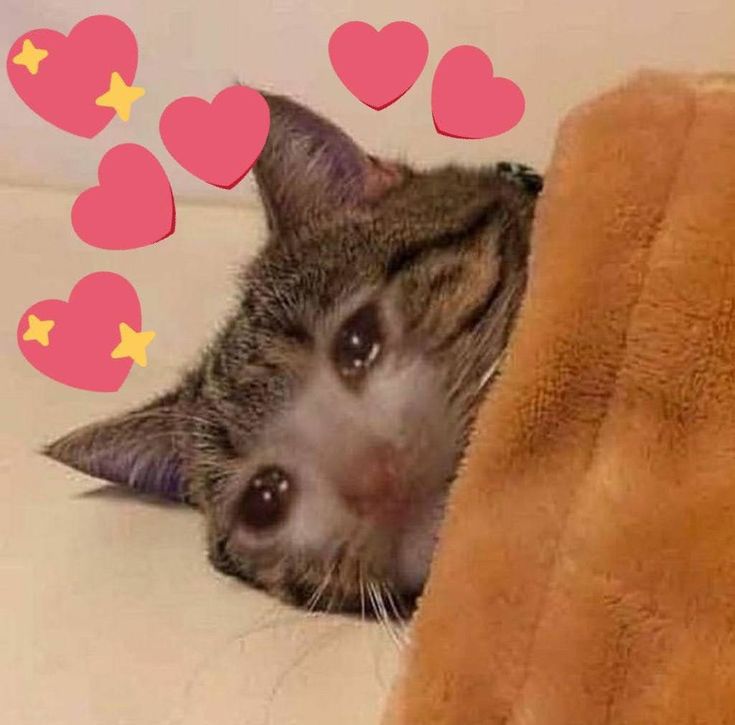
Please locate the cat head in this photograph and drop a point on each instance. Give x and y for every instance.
(321, 429)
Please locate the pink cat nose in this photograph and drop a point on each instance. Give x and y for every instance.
(372, 485)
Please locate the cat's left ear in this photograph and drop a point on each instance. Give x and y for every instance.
(144, 449)
(309, 165)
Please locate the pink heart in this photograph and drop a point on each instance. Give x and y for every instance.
(468, 102)
(84, 333)
(378, 67)
(220, 141)
(76, 71)
(132, 207)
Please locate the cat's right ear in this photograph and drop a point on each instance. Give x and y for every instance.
(309, 165)
(144, 449)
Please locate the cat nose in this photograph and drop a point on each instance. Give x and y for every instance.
(372, 486)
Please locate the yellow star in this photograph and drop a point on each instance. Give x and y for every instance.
(30, 56)
(38, 330)
(120, 96)
(133, 344)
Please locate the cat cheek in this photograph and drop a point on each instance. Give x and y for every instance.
(416, 547)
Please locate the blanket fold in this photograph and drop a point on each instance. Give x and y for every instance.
(586, 568)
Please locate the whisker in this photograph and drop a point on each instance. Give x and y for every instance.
(400, 627)
(339, 558)
(489, 375)
(319, 590)
(379, 607)
(361, 582)
(373, 601)
(395, 608)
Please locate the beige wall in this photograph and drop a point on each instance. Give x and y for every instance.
(557, 51)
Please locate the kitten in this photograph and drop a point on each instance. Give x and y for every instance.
(321, 429)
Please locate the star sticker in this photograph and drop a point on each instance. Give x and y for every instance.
(133, 344)
(120, 96)
(30, 56)
(38, 330)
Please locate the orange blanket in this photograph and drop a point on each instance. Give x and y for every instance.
(586, 571)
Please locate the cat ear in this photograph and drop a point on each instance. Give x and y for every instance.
(143, 449)
(310, 165)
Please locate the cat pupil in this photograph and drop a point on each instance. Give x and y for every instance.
(266, 498)
(358, 343)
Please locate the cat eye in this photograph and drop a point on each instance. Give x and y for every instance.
(266, 499)
(358, 343)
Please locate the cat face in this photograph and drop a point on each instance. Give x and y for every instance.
(322, 428)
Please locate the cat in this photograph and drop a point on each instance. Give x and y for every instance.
(320, 431)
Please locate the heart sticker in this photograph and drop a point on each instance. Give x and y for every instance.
(133, 206)
(60, 77)
(378, 66)
(217, 142)
(91, 341)
(467, 101)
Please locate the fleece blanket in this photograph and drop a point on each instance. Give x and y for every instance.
(586, 568)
